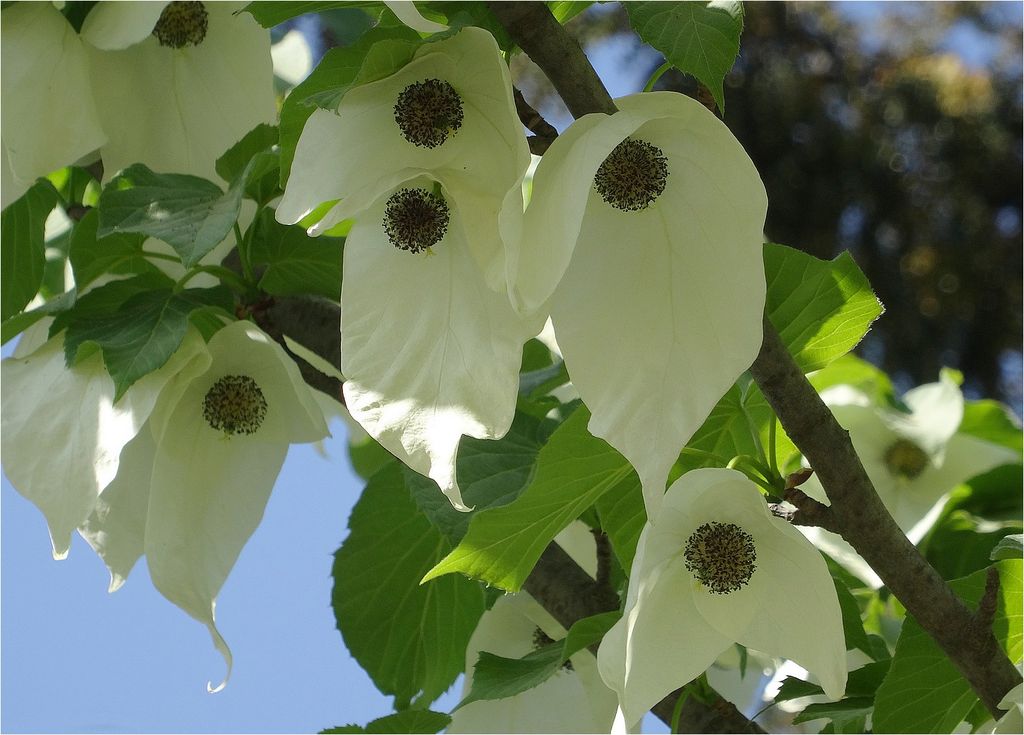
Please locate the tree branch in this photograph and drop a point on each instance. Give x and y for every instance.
(859, 515)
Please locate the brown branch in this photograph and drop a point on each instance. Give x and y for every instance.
(859, 514)
(604, 556)
(544, 133)
(809, 512)
(864, 522)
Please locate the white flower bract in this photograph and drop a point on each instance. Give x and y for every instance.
(431, 346)
(49, 118)
(176, 109)
(150, 475)
(673, 627)
(939, 459)
(657, 311)
(573, 700)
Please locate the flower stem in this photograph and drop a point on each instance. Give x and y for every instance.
(160, 256)
(653, 80)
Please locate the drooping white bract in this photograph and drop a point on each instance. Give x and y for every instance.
(714, 567)
(73, 412)
(49, 119)
(177, 84)
(449, 112)
(913, 459)
(428, 350)
(573, 700)
(645, 231)
(193, 484)
(428, 161)
(407, 12)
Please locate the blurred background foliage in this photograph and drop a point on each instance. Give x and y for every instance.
(892, 130)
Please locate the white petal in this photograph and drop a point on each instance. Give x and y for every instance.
(84, 430)
(561, 190)
(660, 644)
(937, 410)
(48, 117)
(797, 612)
(207, 496)
(116, 528)
(408, 13)
(429, 351)
(178, 110)
(917, 504)
(569, 702)
(660, 310)
(11, 187)
(241, 348)
(292, 57)
(488, 153)
(115, 26)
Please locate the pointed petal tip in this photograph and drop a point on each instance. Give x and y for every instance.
(222, 647)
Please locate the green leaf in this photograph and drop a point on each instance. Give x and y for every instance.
(190, 214)
(295, 263)
(91, 257)
(698, 38)
(334, 75)
(1009, 547)
(408, 721)
(992, 421)
(142, 335)
(491, 473)
(107, 299)
(22, 247)
(269, 13)
(18, 323)
(924, 691)
(566, 10)
(822, 309)
(852, 370)
(410, 638)
(844, 711)
(574, 469)
(622, 517)
(853, 626)
(497, 677)
(237, 157)
(962, 543)
(459, 14)
(862, 682)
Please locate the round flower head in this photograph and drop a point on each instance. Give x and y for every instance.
(714, 568)
(649, 222)
(177, 83)
(193, 485)
(449, 111)
(84, 429)
(913, 459)
(573, 700)
(49, 117)
(428, 350)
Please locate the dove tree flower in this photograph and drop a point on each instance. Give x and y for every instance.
(85, 430)
(177, 83)
(645, 231)
(574, 700)
(714, 567)
(49, 118)
(914, 459)
(185, 461)
(427, 161)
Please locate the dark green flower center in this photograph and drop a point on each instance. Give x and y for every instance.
(182, 24)
(905, 459)
(632, 176)
(541, 639)
(415, 219)
(235, 405)
(429, 112)
(720, 556)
